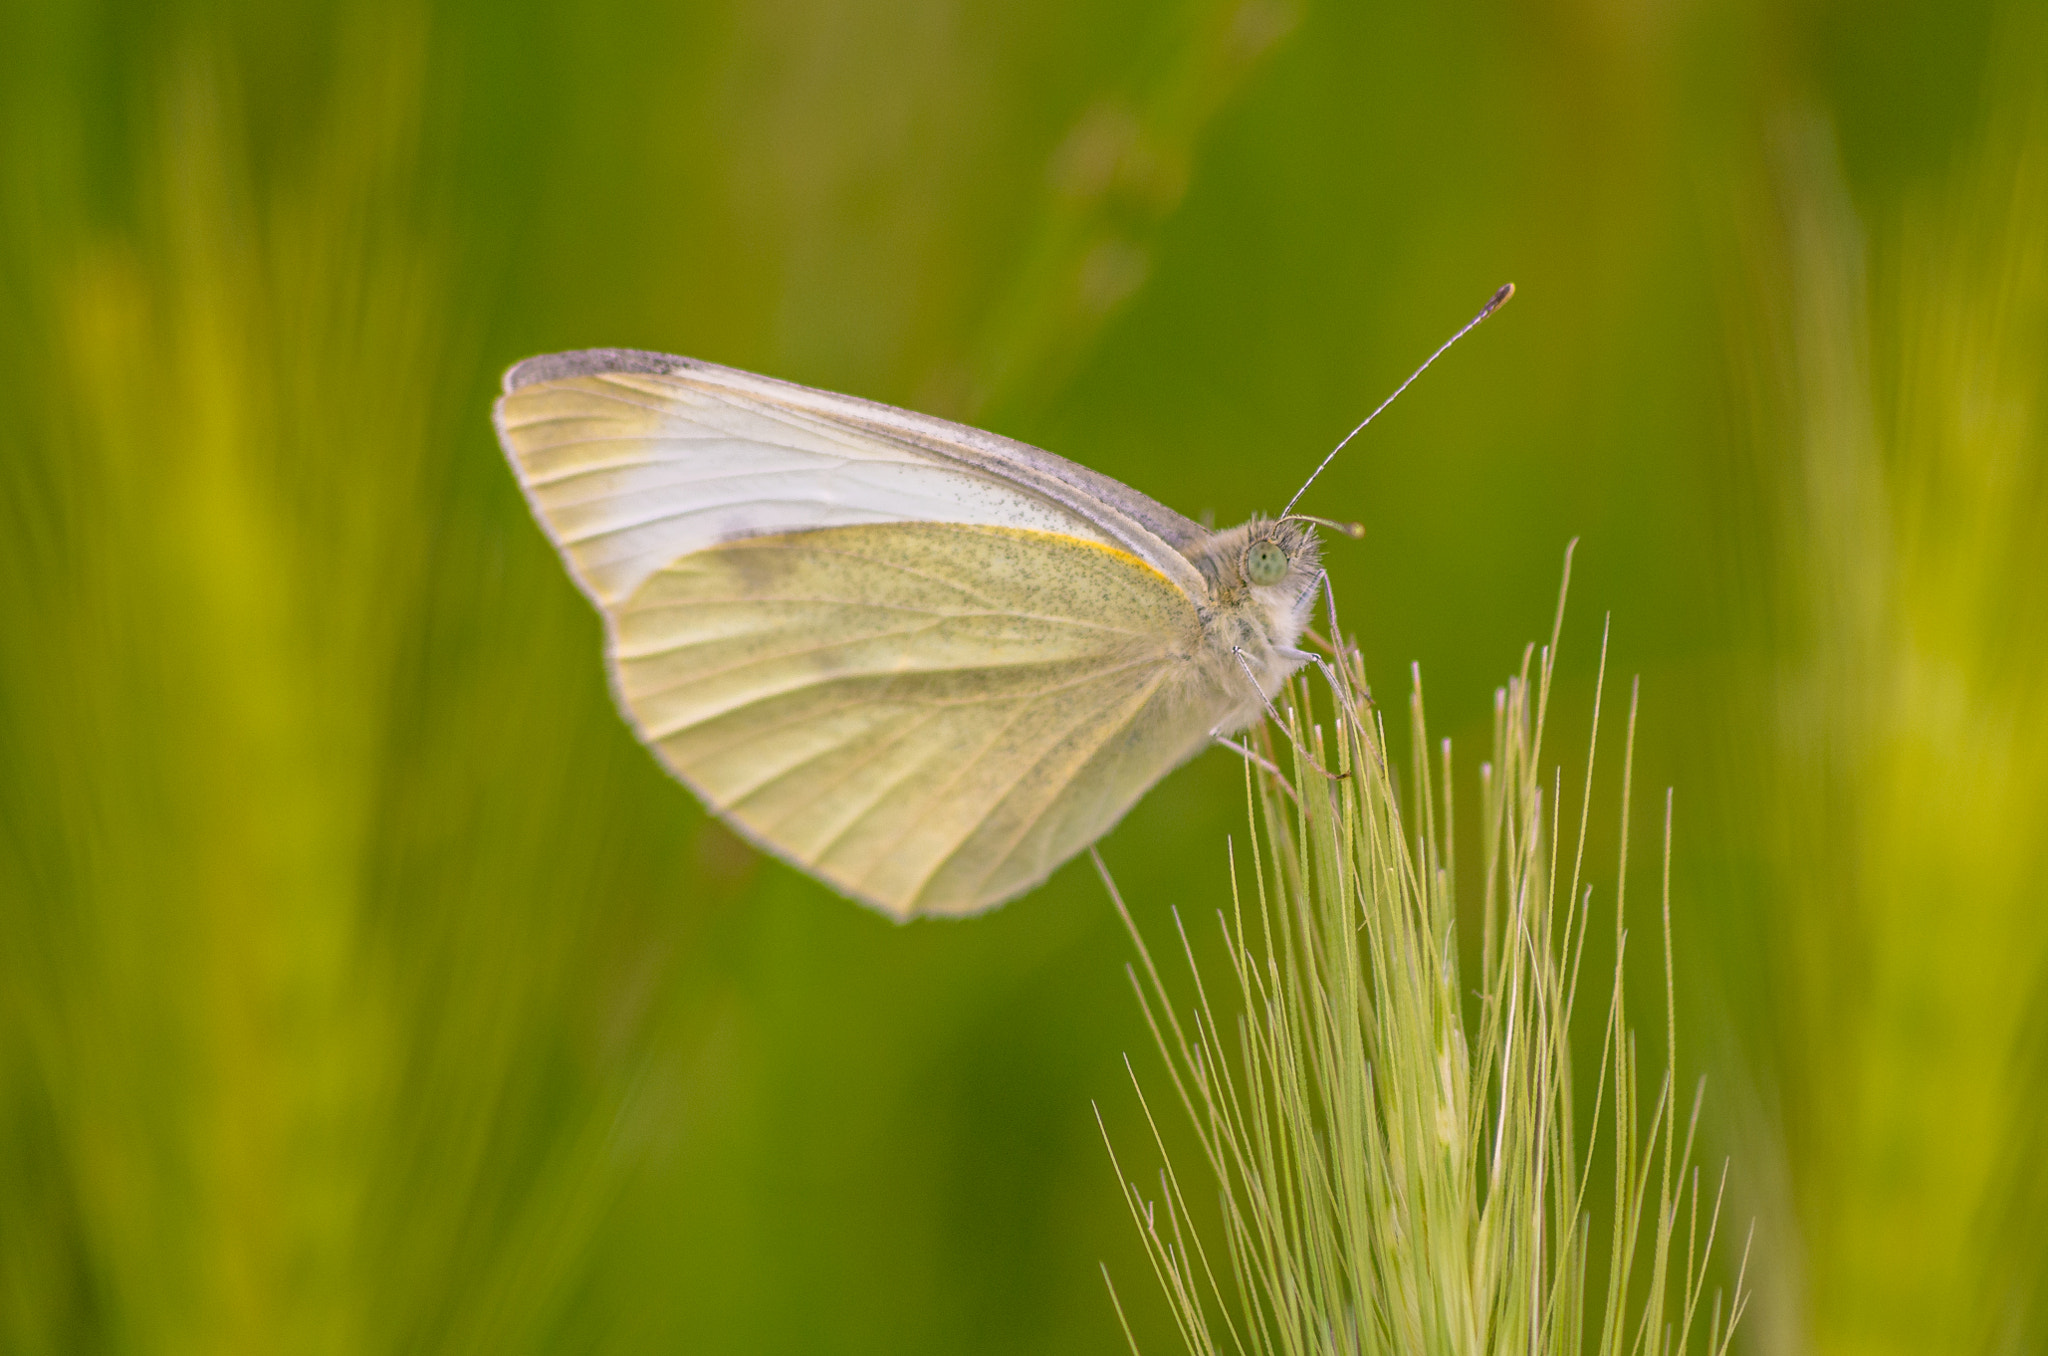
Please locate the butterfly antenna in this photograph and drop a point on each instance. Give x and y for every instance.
(1499, 300)
(1355, 531)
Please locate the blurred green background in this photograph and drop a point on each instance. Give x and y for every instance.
(364, 987)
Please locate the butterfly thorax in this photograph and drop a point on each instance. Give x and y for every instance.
(1262, 579)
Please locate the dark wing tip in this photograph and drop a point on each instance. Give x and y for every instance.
(592, 362)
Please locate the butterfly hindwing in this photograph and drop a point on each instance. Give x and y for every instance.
(930, 716)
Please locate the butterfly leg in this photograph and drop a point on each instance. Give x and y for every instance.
(1246, 752)
(1344, 654)
(1319, 638)
(1323, 665)
(1342, 691)
(1258, 760)
(1253, 679)
(1343, 695)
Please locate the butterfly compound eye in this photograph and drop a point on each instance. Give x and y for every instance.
(1265, 562)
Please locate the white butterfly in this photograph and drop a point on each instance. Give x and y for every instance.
(922, 662)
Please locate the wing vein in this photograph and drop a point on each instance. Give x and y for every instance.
(616, 529)
(674, 730)
(965, 766)
(586, 469)
(1010, 849)
(857, 605)
(817, 424)
(953, 848)
(893, 740)
(787, 544)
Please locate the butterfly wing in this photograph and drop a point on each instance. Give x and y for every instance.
(632, 459)
(930, 717)
(922, 662)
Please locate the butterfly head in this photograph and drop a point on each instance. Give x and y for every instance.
(1281, 555)
(1268, 566)
(1262, 579)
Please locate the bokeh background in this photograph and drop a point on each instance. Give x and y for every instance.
(364, 987)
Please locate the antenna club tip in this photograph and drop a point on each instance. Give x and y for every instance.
(1500, 298)
(1355, 531)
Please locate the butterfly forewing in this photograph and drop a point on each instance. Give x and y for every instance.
(630, 469)
(929, 716)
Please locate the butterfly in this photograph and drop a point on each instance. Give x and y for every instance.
(924, 663)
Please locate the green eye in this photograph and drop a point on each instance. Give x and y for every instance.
(1265, 562)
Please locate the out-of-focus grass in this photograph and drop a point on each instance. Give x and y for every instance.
(1904, 741)
(306, 1044)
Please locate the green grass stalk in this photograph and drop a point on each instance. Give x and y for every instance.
(1398, 1169)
